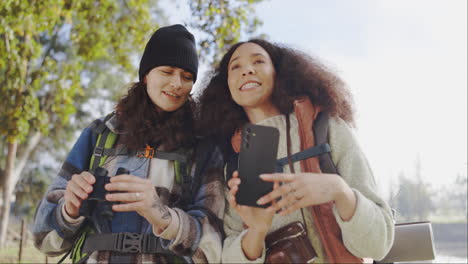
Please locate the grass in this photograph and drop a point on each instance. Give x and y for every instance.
(9, 254)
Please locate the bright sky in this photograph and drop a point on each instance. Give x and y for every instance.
(406, 63)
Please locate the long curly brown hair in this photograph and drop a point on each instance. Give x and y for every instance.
(143, 122)
(297, 75)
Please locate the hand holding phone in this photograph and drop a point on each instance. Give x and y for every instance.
(259, 148)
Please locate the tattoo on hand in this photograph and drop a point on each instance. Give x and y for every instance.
(161, 208)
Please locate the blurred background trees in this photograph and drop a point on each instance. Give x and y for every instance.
(64, 63)
(415, 199)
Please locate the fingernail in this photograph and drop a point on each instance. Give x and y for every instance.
(261, 201)
(263, 175)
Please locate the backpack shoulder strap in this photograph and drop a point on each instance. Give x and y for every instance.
(321, 149)
(183, 177)
(106, 139)
(191, 182)
(321, 137)
(98, 125)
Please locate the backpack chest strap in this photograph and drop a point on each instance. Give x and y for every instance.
(142, 153)
(302, 155)
(124, 243)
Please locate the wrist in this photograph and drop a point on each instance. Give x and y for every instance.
(257, 232)
(169, 231)
(342, 190)
(253, 243)
(68, 218)
(345, 200)
(160, 217)
(67, 212)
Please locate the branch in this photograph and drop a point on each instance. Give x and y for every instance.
(21, 160)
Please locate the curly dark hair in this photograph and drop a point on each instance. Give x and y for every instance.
(143, 122)
(297, 75)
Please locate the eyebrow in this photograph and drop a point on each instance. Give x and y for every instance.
(251, 55)
(175, 67)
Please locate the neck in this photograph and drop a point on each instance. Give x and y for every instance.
(260, 113)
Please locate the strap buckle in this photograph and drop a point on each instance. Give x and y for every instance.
(128, 243)
(148, 153)
(98, 151)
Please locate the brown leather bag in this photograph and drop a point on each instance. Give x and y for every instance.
(289, 244)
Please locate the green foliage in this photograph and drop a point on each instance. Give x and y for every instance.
(30, 190)
(60, 59)
(46, 46)
(222, 23)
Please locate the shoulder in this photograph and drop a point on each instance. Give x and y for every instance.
(341, 136)
(110, 121)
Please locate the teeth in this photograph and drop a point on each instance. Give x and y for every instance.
(250, 85)
(171, 94)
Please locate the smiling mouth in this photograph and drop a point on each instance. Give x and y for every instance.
(171, 94)
(249, 86)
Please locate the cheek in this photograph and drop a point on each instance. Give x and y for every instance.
(231, 85)
(271, 81)
(188, 88)
(152, 91)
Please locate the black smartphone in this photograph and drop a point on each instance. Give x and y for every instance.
(257, 155)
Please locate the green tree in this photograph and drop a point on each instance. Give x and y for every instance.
(222, 22)
(45, 48)
(29, 190)
(58, 57)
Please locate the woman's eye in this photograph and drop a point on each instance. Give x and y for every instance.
(234, 67)
(166, 72)
(188, 77)
(259, 61)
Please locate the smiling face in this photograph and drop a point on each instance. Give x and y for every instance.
(169, 87)
(251, 77)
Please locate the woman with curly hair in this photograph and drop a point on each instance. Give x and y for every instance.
(151, 212)
(344, 217)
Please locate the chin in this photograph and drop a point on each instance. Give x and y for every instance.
(173, 108)
(170, 109)
(249, 103)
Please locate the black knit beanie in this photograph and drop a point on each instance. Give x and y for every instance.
(170, 46)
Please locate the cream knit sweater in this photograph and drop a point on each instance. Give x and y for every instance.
(369, 233)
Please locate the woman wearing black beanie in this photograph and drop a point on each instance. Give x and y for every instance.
(163, 198)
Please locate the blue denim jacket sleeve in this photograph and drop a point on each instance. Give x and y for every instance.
(48, 221)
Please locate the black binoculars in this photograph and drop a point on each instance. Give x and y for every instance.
(97, 198)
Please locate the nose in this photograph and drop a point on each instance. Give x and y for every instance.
(176, 81)
(249, 70)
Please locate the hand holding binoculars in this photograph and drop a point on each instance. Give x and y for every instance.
(96, 199)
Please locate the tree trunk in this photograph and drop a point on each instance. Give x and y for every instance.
(7, 190)
(24, 155)
(11, 176)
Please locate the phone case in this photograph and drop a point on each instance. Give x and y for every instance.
(258, 154)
